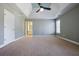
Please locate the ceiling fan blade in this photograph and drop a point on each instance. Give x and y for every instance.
(37, 10)
(45, 8)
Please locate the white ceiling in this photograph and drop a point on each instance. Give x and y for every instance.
(56, 10)
(19, 9)
(12, 8)
(26, 8)
(30, 12)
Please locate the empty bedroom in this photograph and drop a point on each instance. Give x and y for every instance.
(39, 29)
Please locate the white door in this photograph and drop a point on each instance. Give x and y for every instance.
(9, 27)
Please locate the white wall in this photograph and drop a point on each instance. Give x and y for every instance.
(19, 18)
(19, 21)
(19, 26)
(43, 27)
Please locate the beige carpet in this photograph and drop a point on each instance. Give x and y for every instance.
(40, 46)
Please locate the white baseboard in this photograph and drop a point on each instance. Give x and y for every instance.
(74, 42)
(20, 38)
(1, 46)
(42, 35)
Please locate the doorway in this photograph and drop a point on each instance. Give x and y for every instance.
(29, 28)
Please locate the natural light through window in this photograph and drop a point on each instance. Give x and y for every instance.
(57, 26)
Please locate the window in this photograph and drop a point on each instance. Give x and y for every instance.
(58, 26)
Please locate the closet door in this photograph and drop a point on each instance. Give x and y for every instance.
(9, 27)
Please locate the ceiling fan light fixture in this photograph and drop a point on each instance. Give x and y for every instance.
(41, 9)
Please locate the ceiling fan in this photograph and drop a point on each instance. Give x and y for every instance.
(42, 8)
